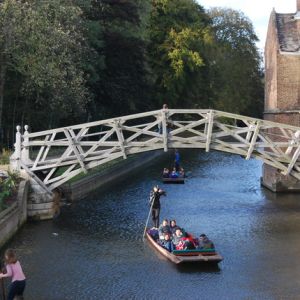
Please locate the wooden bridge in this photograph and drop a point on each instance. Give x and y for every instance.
(52, 157)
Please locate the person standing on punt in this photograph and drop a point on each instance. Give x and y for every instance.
(155, 195)
(177, 160)
(14, 270)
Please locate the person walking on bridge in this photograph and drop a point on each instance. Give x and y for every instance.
(154, 202)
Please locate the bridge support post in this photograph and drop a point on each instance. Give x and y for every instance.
(15, 159)
(272, 178)
(282, 88)
(42, 205)
(25, 150)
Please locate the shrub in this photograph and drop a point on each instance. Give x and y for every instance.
(7, 187)
(4, 156)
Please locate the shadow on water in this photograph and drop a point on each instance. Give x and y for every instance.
(199, 267)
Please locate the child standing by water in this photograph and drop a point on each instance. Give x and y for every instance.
(14, 270)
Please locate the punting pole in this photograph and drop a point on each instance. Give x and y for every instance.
(148, 220)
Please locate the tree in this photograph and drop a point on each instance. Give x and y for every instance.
(52, 67)
(122, 86)
(237, 74)
(179, 37)
(41, 50)
(10, 33)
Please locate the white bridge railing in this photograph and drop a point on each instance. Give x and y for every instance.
(54, 156)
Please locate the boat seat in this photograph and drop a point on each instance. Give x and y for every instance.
(191, 252)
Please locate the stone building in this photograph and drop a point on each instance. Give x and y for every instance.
(282, 84)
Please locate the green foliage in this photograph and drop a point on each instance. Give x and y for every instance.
(64, 62)
(124, 86)
(179, 35)
(237, 81)
(7, 187)
(43, 48)
(4, 156)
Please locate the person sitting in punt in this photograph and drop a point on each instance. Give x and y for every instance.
(177, 237)
(183, 241)
(204, 242)
(163, 229)
(166, 242)
(181, 173)
(166, 173)
(173, 226)
(174, 173)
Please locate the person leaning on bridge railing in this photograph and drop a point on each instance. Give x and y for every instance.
(169, 122)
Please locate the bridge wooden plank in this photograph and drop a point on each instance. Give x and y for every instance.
(188, 126)
(48, 147)
(272, 145)
(40, 152)
(253, 140)
(66, 174)
(139, 132)
(293, 161)
(197, 132)
(272, 148)
(39, 181)
(75, 150)
(97, 144)
(120, 138)
(96, 123)
(78, 137)
(210, 125)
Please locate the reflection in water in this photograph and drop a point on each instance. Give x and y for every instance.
(97, 250)
(198, 268)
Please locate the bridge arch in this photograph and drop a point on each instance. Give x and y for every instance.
(54, 156)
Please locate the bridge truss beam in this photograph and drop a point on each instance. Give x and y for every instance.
(53, 157)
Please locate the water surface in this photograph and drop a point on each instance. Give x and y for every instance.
(94, 250)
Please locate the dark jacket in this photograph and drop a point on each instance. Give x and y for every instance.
(155, 198)
(164, 229)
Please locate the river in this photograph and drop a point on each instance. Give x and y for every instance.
(94, 250)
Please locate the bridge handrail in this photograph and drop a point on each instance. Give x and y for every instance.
(206, 129)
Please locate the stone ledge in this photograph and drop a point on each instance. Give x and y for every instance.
(80, 189)
(12, 218)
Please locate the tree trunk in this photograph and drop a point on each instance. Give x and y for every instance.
(2, 83)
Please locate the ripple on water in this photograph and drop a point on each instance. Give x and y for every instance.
(98, 252)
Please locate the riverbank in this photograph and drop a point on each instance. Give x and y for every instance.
(13, 217)
(82, 187)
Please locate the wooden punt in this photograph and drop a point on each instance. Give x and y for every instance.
(186, 256)
(173, 180)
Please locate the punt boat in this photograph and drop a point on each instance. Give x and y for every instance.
(186, 256)
(173, 180)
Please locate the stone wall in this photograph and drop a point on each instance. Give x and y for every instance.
(12, 218)
(80, 189)
(282, 99)
(288, 89)
(40, 204)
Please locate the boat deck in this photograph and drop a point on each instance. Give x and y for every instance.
(185, 256)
